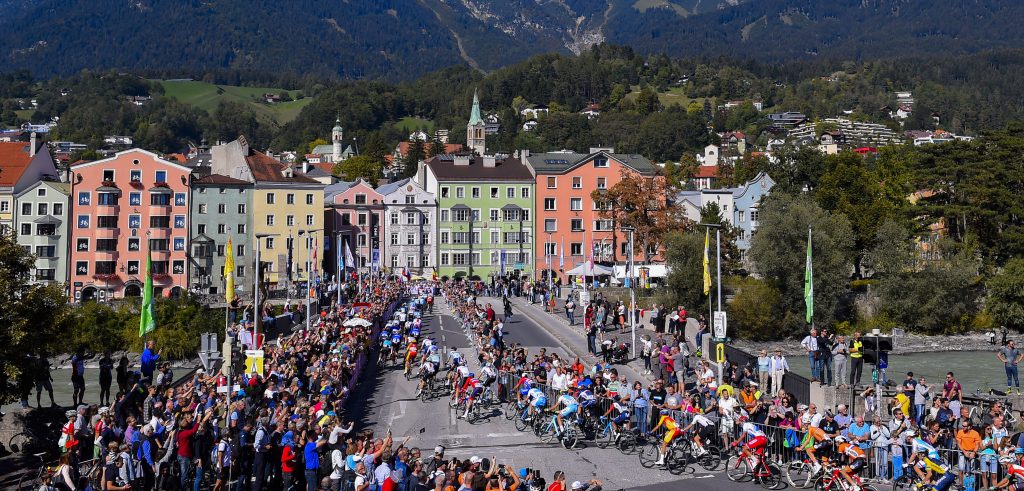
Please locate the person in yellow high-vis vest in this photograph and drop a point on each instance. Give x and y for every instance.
(856, 358)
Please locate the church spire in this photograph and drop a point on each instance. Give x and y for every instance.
(474, 115)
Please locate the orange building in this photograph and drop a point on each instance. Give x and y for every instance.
(567, 217)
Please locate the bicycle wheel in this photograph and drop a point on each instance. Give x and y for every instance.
(771, 477)
(799, 474)
(511, 409)
(867, 487)
(627, 443)
(737, 469)
(425, 393)
(904, 483)
(649, 454)
(604, 437)
(677, 460)
(453, 402)
(522, 424)
(570, 436)
(546, 432)
(711, 458)
(21, 442)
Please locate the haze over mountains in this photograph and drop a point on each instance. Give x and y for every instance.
(402, 39)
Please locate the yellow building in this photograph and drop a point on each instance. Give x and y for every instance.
(285, 204)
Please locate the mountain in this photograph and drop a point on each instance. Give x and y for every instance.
(401, 39)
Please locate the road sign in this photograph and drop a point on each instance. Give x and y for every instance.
(720, 324)
(720, 353)
(584, 298)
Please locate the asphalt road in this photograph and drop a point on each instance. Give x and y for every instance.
(388, 402)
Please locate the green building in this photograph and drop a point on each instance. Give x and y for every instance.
(485, 214)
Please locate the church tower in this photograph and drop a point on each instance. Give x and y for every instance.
(475, 137)
(336, 138)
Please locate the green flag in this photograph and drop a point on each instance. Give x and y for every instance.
(809, 281)
(146, 320)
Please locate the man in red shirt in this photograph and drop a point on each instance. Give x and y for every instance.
(186, 430)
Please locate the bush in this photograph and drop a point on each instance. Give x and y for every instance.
(116, 326)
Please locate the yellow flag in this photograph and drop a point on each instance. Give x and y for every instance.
(707, 270)
(229, 273)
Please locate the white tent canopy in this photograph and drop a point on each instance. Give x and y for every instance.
(653, 270)
(596, 270)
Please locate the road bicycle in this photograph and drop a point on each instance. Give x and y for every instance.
(676, 459)
(709, 459)
(753, 467)
(568, 434)
(513, 409)
(460, 408)
(431, 389)
(832, 480)
(800, 473)
(607, 436)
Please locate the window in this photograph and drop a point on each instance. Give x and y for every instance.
(460, 215)
(550, 225)
(410, 261)
(410, 239)
(410, 199)
(160, 199)
(178, 267)
(601, 163)
(753, 215)
(552, 182)
(459, 259)
(58, 209)
(46, 229)
(289, 199)
(106, 245)
(159, 267)
(134, 221)
(161, 176)
(134, 199)
(202, 209)
(394, 239)
(444, 259)
(444, 191)
(135, 175)
(108, 175)
(222, 208)
(81, 268)
(361, 219)
(133, 267)
(526, 215)
(577, 182)
(309, 219)
(524, 193)
(241, 208)
(511, 215)
(394, 218)
(289, 220)
(83, 221)
(309, 198)
(444, 215)
(602, 183)
(45, 274)
(106, 199)
(346, 219)
(5, 206)
(240, 250)
(410, 218)
(270, 198)
(220, 250)
(602, 225)
(444, 236)
(158, 244)
(106, 222)
(576, 204)
(624, 248)
(494, 193)
(42, 209)
(270, 220)
(270, 243)
(460, 192)
(179, 199)
(26, 229)
(155, 222)
(26, 209)
(394, 261)
(742, 216)
(460, 238)
(494, 214)
(576, 249)
(240, 271)
(549, 204)
(510, 192)
(476, 215)
(424, 261)
(46, 251)
(221, 228)
(84, 199)
(106, 267)
(361, 240)
(425, 239)
(133, 244)
(475, 192)
(240, 229)
(550, 248)
(495, 236)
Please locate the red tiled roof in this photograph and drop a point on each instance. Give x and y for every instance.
(14, 159)
(268, 169)
(706, 171)
(176, 157)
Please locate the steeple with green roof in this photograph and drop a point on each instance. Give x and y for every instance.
(475, 134)
(474, 115)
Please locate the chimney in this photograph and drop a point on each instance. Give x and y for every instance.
(462, 160)
(488, 161)
(525, 153)
(305, 167)
(32, 145)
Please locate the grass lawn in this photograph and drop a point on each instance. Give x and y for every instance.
(674, 95)
(206, 96)
(25, 114)
(409, 124)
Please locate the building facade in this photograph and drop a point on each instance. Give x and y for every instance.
(221, 209)
(22, 164)
(124, 206)
(739, 206)
(41, 222)
(410, 227)
(485, 214)
(567, 215)
(355, 212)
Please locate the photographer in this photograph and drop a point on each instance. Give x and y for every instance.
(505, 480)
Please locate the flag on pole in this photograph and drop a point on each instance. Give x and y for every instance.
(147, 321)
(316, 266)
(405, 273)
(809, 281)
(350, 262)
(229, 274)
(434, 274)
(707, 262)
(340, 260)
(561, 255)
(502, 262)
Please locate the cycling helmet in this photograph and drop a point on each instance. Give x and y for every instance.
(1006, 459)
(470, 375)
(1018, 451)
(840, 439)
(664, 412)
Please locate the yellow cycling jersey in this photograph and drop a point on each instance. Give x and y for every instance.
(669, 423)
(936, 467)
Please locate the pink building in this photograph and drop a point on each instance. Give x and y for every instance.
(123, 206)
(355, 212)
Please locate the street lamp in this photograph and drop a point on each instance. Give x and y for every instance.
(309, 276)
(632, 289)
(718, 281)
(257, 316)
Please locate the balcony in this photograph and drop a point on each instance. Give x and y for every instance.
(45, 239)
(108, 233)
(159, 210)
(159, 233)
(106, 255)
(107, 279)
(108, 209)
(161, 255)
(162, 278)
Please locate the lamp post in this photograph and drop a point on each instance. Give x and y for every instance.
(309, 277)
(632, 290)
(257, 316)
(718, 281)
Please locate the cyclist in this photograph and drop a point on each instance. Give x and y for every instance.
(671, 432)
(488, 375)
(816, 441)
(396, 342)
(756, 441)
(622, 414)
(537, 400)
(410, 355)
(471, 388)
(856, 460)
(524, 385)
(571, 405)
(428, 370)
(454, 358)
(386, 345)
(1014, 480)
(930, 467)
(704, 430)
(587, 401)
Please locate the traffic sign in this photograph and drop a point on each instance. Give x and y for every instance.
(254, 362)
(720, 353)
(720, 324)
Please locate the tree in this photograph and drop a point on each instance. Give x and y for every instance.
(684, 257)
(358, 167)
(647, 100)
(436, 148)
(892, 252)
(639, 202)
(1005, 300)
(779, 250)
(412, 159)
(752, 309)
(711, 214)
(940, 298)
(34, 317)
